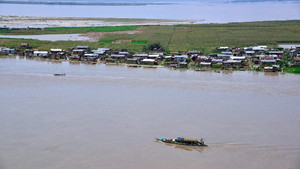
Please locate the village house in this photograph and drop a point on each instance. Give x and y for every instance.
(99, 54)
(224, 57)
(205, 64)
(294, 53)
(57, 53)
(266, 61)
(276, 67)
(181, 58)
(241, 58)
(1, 51)
(9, 51)
(154, 56)
(213, 55)
(149, 61)
(216, 61)
(202, 59)
(109, 60)
(86, 48)
(141, 56)
(29, 52)
(227, 53)
(238, 53)
(255, 59)
(275, 57)
(268, 69)
(24, 45)
(250, 52)
(117, 57)
(132, 60)
(272, 68)
(223, 48)
(297, 59)
(40, 54)
(124, 53)
(169, 58)
(160, 55)
(197, 53)
(232, 63)
(288, 47)
(277, 53)
(175, 53)
(101, 51)
(183, 64)
(259, 48)
(76, 57)
(90, 57)
(79, 52)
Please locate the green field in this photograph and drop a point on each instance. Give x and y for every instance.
(105, 41)
(139, 42)
(204, 37)
(292, 69)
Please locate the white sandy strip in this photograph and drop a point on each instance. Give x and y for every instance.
(25, 21)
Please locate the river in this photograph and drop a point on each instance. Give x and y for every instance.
(203, 11)
(101, 116)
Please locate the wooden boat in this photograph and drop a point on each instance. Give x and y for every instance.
(183, 141)
(134, 66)
(200, 70)
(59, 74)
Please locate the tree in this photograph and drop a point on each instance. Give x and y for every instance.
(156, 46)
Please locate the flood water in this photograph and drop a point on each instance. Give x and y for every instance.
(51, 37)
(100, 116)
(204, 11)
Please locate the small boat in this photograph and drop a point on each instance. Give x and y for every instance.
(59, 74)
(134, 66)
(200, 70)
(183, 141)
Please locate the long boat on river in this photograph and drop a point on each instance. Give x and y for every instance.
(183, 141)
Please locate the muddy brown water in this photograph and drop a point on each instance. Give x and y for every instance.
(100, 116)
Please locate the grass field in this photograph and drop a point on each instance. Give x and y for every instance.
(292, 69)
(105, 41)
(204, 37)
(139, 42)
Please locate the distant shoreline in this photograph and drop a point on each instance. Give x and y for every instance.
(85, 3)
(42, 22)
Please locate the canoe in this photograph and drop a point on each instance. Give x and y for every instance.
(183, 141)
(59, 74)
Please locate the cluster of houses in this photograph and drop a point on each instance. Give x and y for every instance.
(256, 57)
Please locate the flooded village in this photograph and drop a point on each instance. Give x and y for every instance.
(251, 58)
